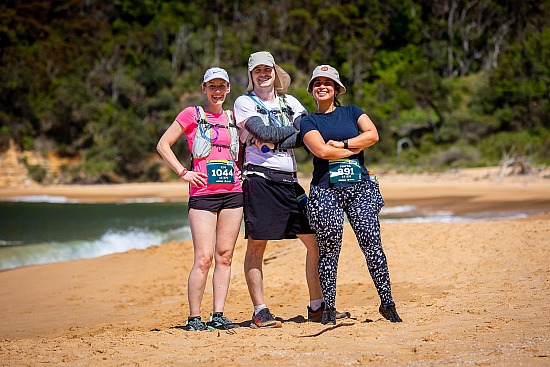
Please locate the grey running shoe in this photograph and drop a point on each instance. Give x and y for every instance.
(264, 319)
(195, 324)
(218, 321)
(389, 312)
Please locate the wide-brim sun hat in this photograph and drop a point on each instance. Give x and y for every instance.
(215, 73)
(282, 79)
(329, 72)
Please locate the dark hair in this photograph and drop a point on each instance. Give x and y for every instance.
(336, 101)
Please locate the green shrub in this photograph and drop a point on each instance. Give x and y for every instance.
(152, 173)
(37, 172)
(455, 156)
(467, 127)
(521, 143)
(27, 142)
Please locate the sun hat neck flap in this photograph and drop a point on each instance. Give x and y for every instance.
(282, 79)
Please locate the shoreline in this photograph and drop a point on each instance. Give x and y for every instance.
(460, 191)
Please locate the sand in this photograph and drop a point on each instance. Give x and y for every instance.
(471, 293)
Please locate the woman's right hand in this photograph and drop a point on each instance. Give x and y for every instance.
(197, 179)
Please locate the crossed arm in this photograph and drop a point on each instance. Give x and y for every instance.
(285, 136)
(333, 149)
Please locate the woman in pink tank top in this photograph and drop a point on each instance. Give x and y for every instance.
(216, 201)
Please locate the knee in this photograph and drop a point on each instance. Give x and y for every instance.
(255, 249)
(254, 255)
(330, 251)
(313, 252)
(224, 258)
(203, 263)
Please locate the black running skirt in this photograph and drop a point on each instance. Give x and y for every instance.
(271, 210)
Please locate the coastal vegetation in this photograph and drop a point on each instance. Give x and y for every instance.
(451, 83)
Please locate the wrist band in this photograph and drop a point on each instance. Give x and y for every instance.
(345, 141)
(182, 173)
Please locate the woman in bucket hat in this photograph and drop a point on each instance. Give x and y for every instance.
(215, 194)
(341, 184)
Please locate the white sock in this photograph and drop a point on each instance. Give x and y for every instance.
(315, 304)
(258, 308)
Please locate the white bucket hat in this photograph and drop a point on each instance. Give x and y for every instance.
(329, 72)
(282, 79)
(215, 73)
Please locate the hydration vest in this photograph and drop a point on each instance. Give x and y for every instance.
(207, 134)
(286, 111)
(285, 108)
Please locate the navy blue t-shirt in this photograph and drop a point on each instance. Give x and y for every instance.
(338, 125)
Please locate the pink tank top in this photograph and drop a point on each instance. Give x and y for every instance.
(187, 120)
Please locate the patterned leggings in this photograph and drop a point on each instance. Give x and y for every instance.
(361, 203)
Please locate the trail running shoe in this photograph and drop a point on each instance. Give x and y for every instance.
(389, 312)
(220, 322)
(316, 316)
(264, 319)
(195, 324)
(329, 316)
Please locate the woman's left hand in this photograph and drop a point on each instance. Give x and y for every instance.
(340, 145)
(197, 179)
(336, 143)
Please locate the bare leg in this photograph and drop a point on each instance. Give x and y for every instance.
(253, 261)
(203, 231)
(229, 223)
(312, 270)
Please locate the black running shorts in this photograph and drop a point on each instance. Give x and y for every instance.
(271, 211)
(216, 202)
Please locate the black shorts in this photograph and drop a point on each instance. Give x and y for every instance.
(216, 202)
(271, 210)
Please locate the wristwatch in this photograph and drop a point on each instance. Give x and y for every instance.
(345, 141)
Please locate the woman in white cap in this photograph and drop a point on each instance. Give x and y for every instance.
(341, 184)
(215, 194)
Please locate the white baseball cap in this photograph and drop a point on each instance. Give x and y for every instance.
(329, 72)
(215, 73)
(282, 79)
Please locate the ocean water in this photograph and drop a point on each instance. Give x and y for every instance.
(411, 213)
(46, 229)
(40, 230)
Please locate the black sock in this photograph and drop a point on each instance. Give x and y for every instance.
(193, 318)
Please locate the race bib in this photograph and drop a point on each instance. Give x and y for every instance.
(344, 170)
(220, 172)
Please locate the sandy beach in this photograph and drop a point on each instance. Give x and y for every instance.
(473, 293)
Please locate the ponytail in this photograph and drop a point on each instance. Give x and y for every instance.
(336, 101)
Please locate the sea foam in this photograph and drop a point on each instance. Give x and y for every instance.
(111, 242)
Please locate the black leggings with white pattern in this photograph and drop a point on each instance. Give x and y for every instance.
(361, 203)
